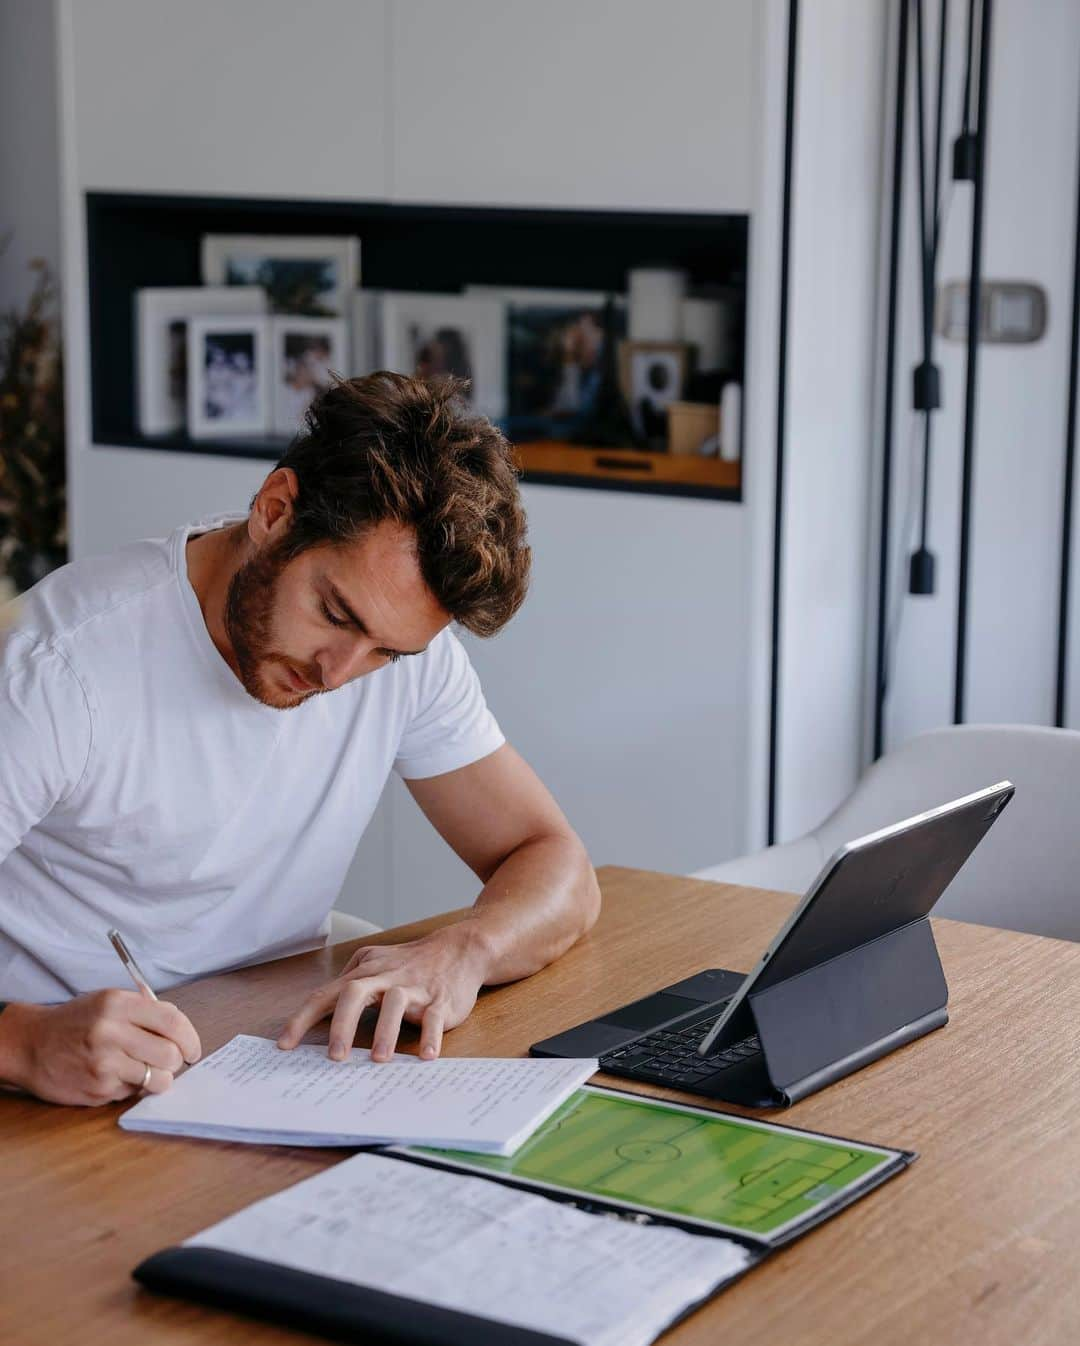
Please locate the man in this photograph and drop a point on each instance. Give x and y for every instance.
(195, 731)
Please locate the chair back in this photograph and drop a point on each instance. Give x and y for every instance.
(1025, 874)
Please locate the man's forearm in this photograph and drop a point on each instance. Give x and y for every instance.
(541, 900)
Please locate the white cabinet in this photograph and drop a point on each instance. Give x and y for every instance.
(617, 104)
(217, 96)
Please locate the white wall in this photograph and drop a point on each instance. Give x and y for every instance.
(29, 164)
(624, 678)
(1016, 503)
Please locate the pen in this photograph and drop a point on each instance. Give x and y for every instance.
(116, 939)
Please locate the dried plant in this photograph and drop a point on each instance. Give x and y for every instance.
(33, 505)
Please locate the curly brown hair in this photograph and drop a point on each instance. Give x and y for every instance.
(388, 446)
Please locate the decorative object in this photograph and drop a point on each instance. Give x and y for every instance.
(228, 377)
(731, 423)
(33, 513)
(693, 427)
(705, 327)
(312, 276)
(652, 376)
(161, 318)
(307, 353)
(656, 296)
(433, 334)
(554, 356)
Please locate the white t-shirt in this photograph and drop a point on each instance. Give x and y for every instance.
(142, 787)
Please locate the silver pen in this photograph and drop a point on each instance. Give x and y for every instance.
(116, 939)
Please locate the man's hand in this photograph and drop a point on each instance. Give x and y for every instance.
(431, 981)
(95, 1048)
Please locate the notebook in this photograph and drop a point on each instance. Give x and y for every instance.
(250, 1090)
(617, 1218)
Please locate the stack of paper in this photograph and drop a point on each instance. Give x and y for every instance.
(250, 1090)
(480, 1248)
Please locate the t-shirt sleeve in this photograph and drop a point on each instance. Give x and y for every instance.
(451, 725)
(45, 736)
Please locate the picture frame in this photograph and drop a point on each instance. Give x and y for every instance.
(229, 363)
(365, 332)
(307, 353)
(308, 275)
(554, 340)
(431, 334)
(652, 375)
(161, 320)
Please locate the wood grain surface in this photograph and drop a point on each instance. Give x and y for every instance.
(976, 1242)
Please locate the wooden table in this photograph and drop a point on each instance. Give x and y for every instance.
(977, 1242)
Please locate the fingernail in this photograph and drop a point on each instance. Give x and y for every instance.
(429, 1052)
(337, 1051)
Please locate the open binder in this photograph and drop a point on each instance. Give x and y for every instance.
(781, 1209)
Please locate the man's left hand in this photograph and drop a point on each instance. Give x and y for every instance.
(431, 981)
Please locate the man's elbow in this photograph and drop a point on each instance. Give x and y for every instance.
(588, 891)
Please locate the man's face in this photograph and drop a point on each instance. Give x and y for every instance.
(330, 615)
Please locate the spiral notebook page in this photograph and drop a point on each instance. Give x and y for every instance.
(422, 1234)
(250, 1090)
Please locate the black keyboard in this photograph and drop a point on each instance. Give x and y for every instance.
(670, 1056)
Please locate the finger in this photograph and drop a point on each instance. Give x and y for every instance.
(354, 999)
(388, 1026)
(317, 1006)
(162, 1017)
(134, 1077)
(151, 1048)
(359, 956)
(431, 1030)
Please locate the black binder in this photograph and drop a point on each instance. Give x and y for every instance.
(344, 1311)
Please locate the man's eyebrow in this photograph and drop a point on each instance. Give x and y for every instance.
(360, 624)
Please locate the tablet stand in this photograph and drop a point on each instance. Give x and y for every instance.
(822, 1024)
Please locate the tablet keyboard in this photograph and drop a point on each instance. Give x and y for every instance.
(670, 1056)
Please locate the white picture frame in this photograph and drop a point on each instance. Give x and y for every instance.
(161, 319)
(468, 331)
(244, 259)
(365, 332)
(228, 377)
(307, 353)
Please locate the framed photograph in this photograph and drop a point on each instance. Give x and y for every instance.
(555, 343)
(652, 375)
(228, 377)
(433, 334)
(307, 352)
(312, 276)
(161, 319)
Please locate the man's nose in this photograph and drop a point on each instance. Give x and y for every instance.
(341, 663)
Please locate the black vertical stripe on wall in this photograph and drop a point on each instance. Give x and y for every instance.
(970, 388)
(1061, 696)
(781, 410)
(881, 669)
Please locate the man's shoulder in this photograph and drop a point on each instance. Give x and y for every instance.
(92, 591)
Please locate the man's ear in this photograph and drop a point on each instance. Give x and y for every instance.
(272, 510)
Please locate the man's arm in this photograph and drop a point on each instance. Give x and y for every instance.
(540, 895)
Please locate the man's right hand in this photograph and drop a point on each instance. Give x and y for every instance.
(95, 1048)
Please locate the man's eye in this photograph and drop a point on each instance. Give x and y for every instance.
(334, 621)
(391, 656)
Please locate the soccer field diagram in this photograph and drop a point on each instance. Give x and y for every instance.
(719, 1169)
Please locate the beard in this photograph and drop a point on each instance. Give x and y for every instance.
(250, 605)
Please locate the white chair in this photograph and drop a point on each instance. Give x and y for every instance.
(1024, 875)
(343, 927)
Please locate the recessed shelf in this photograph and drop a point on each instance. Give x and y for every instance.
(154, 240)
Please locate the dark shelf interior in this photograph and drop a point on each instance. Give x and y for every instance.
(154, 240)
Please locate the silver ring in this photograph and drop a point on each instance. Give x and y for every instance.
(146, 1077)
